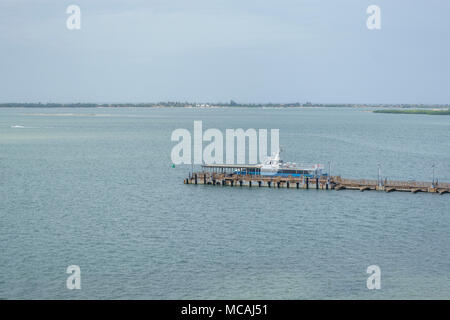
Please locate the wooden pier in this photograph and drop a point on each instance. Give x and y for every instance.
(322, 183)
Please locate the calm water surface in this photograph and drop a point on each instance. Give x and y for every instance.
(95, 188)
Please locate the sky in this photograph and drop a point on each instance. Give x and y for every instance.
(250, 51)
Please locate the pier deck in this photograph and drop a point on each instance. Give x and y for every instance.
(323, 183)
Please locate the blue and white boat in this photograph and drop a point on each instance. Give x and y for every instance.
(275, 166)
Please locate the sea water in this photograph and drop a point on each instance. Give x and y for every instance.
(96, 188)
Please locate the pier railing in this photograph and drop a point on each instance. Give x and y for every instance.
(389, 183)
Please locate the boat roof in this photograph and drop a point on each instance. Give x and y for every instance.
(232, 166)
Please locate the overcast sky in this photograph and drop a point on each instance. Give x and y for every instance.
(217, 50)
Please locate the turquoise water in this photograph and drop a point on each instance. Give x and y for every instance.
(95, 188)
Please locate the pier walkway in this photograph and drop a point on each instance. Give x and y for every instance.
(322, 183)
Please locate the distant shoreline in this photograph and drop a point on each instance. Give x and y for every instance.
(407, 107)
(415, 111)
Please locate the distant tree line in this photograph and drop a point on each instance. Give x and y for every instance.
(415, 111)
(205, 104)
